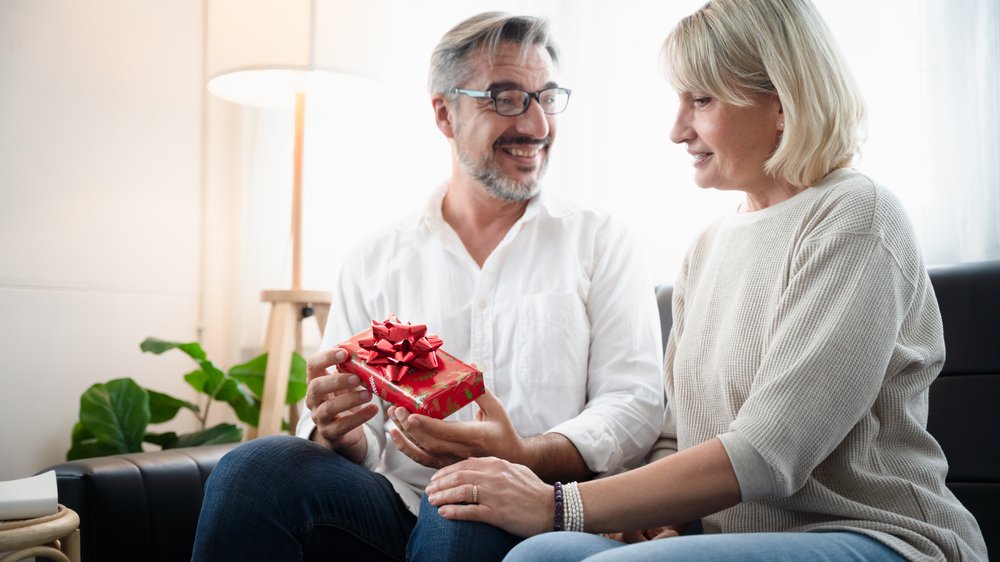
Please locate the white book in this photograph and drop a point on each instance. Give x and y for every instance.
(28, 498)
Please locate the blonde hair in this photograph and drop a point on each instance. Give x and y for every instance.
(487, 32)
(730, 48)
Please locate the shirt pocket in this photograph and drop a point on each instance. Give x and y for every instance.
(553, 341)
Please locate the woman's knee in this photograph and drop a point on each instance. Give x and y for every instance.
(560, 546)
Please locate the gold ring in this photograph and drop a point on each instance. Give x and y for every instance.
(475, 493)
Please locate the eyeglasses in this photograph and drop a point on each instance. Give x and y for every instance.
(513, 102)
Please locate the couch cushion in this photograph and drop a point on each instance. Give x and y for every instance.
(141, 506)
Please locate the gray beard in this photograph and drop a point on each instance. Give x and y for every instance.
(498, 184)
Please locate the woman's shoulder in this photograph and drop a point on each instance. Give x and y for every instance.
(851, 201)
(852, 204)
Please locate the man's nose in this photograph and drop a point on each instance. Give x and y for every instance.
(533, 122)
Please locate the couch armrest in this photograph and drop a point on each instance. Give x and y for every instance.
(139, 506)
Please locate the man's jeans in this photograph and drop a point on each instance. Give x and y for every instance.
(287, 498)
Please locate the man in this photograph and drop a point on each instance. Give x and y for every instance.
(549, 300)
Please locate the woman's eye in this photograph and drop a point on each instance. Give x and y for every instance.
(701, 101)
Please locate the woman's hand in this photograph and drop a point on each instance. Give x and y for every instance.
(494, 491)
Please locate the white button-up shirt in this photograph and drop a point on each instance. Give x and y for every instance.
(561, 319)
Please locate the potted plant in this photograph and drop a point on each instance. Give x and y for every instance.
(115, 415)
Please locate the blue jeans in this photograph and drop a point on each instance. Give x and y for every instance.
(287, 498)
(746, 547)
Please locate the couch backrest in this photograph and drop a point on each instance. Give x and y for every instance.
(139, 506)
(964, 415)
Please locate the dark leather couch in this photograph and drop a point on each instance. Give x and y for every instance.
(145, 506)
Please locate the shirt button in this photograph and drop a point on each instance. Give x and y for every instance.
(482, 305)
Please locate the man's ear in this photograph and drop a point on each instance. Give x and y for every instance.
(443, 115)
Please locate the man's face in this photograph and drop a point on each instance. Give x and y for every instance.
(508, 155)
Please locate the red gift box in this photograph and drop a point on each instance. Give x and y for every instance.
(403, 364)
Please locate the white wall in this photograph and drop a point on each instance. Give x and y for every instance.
(100, 207)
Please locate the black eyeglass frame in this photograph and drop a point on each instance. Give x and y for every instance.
(493, 94)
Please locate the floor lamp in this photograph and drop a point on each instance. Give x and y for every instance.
(262, 53)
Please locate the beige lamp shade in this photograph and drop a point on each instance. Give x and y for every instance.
(262, 52)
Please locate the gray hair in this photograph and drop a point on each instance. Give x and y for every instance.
(486, 32)
(730, 48)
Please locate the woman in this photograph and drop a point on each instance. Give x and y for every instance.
(806, 335)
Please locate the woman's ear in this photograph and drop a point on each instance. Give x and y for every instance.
(443, 115)
(781, 114)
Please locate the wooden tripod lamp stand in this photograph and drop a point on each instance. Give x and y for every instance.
(289, 307)
(264, 53)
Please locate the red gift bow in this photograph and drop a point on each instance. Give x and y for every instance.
(399, 348)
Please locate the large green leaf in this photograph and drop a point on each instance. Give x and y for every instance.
(116, 414)
(252, 372)
(247, 407)
(166, 440)
(90, 449)
(163, 407)
(158, 346)
(216, 378)
(222, 433)
(84, 445)
(197, 379)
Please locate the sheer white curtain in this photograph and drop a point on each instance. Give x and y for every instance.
(928, 69)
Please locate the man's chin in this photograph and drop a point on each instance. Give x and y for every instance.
(512, 194)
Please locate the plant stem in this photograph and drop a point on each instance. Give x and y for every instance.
(203, 417)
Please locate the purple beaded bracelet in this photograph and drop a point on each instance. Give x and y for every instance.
(558, 522)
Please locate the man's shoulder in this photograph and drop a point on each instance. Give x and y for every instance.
(387, 238)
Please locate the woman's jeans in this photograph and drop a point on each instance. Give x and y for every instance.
(745, 547)
(287, 498)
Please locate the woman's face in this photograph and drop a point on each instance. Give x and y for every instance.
(729, 143)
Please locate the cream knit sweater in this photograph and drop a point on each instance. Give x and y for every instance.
(806, 335)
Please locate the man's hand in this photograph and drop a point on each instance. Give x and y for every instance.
(644, 535)
(339, 405)
(437, 443)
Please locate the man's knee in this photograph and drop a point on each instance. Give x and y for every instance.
(437, 538)
(268, 460)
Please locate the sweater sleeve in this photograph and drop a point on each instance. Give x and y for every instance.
(829, 345)
(666, 444)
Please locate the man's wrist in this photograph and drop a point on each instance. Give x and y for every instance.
(552, 456)
(354, 452)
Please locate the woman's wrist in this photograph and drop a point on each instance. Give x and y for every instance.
(568, 508)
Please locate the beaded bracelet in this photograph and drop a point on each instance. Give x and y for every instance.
(558, 522)
(572, 508)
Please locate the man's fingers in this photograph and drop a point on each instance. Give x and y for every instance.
(428, 429)
(489, 403)
(318, 363)
(666, 534)
(409, 449)
(334, 404)
(320, 389)
(437, 437)
(336, 426)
